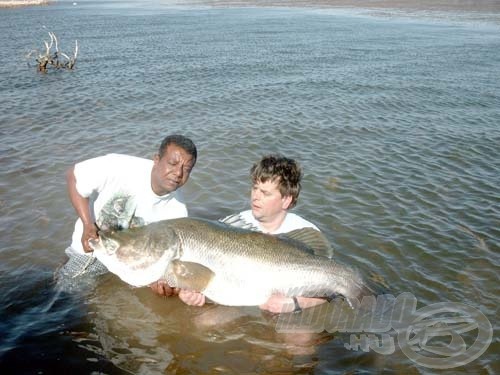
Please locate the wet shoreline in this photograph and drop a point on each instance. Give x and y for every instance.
(22, 3)
(483, 6)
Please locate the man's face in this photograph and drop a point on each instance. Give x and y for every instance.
(172, 170)
(267, 201)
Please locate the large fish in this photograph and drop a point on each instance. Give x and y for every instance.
(231, 266)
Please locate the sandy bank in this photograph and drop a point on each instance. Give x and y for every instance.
(21, 3)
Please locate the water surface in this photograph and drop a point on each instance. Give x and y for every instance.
(394, 120)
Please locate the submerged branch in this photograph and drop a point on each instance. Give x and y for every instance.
(51, 57)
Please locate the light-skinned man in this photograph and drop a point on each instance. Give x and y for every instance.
(275, 190)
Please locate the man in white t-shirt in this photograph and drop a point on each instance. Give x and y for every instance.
(275, 190)
(120, 190)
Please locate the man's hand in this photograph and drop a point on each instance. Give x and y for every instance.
(192, 298)
(161, 288)
(89, 233)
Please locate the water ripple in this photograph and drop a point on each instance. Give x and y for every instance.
(395, 125)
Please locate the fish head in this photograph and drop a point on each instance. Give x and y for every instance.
(109, 242)
(139, 247)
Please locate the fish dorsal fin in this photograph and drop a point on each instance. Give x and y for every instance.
(188, 275)
(312, 239)
(237, 221)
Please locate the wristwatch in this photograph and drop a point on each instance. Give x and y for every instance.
(296, 306)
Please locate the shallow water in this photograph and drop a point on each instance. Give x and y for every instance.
(394, 120)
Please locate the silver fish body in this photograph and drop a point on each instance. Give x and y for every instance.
(231, 266)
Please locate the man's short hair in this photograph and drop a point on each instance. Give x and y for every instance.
(179, 140)
(284, 171)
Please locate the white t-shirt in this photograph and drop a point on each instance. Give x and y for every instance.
(292, 222)
(116, 175)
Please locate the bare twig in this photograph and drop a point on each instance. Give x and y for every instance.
(71, 60)
(49, 59)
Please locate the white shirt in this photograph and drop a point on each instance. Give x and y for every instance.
(292, 222)
(116, 175)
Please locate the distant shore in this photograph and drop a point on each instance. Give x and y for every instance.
(21, 3)
(480, 6)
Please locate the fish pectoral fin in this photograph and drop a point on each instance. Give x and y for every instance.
(188, 275)
(312, 239)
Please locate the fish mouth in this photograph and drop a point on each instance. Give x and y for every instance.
(104, 245)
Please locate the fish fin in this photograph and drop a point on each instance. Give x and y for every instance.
(188, 275)
(313, 240)
(237, 221)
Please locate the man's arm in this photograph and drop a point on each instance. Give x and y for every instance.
(81, 206)
(282, 304)
(275, 304)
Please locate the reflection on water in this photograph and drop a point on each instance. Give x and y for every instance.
(162, 333)
(394, 120)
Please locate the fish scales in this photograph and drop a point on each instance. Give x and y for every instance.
(268, 260)
(234, 266)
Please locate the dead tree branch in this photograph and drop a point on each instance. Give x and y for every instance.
(51, 58)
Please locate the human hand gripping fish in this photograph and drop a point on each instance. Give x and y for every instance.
(90, 234)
